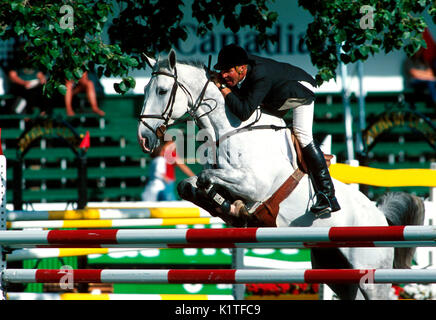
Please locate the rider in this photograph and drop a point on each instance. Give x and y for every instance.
(248, 81)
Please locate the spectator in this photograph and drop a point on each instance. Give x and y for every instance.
(26, 84)
(429, 53)
(161, 182)
(84, 84)
(154, 189)
(421, 77)
(171, 159)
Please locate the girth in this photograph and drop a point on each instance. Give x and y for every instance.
(265, 214)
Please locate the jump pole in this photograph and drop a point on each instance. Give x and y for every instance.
(216, 236)
(111, 223)
(224, 245)
(38, 253)
(2, 216)
(109, 213)
(113, 296)
(214, 276)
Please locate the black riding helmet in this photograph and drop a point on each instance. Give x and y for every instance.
(230, 56)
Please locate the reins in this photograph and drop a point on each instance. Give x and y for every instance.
(250, 127)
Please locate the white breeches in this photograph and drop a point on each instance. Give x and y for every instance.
(302, 117)
(302, 122)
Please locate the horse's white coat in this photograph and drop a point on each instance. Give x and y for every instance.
(253, 165)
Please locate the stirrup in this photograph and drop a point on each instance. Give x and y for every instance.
(330, 205)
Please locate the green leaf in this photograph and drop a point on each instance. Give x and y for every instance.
(62, 89)
(120, 88)
(345, 58)
(133, 62)
(37, 41)
(68, 74)
(117, 88)
(78, 73)
(340, 36)
(272, 16)
(19, 30)
(130, 82)
(364, 50)
(123, 86)
(54, 53)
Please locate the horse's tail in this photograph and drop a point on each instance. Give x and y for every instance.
(400, 209)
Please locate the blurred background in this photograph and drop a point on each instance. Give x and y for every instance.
(79, 146)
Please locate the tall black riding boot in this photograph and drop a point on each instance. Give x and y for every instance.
(320, 175)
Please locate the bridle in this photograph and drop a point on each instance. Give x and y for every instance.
(168, 111)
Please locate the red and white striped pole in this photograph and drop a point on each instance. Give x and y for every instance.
(227, 245)
(213, 276)
(217, 237)
(19, 254)
(2, 214)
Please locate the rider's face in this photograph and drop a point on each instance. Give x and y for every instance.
(233, 75)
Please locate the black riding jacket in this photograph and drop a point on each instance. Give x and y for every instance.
(269, 84)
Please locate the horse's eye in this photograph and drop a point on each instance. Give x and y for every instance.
(162, 92)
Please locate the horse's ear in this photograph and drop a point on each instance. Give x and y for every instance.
(172, 59)
(150, 61)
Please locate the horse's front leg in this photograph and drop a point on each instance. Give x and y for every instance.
(241, 183)
(189, 191)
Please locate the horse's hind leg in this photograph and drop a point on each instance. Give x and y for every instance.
(332, 258)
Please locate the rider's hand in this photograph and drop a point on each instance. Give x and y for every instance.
(216, 78)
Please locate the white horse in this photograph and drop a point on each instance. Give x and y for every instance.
(252, 164)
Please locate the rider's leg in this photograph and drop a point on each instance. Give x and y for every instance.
(314, 158)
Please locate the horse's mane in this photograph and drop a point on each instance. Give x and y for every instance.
(164, 63)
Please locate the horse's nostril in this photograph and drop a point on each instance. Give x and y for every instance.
(144, 142)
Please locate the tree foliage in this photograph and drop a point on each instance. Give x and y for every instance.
(66, 38)
(155, 26)
(62, 43)
(362, 28)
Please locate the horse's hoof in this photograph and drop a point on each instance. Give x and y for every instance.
(203, 180)
(240, 209)
(185, 191)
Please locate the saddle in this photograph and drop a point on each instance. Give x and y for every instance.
(265, 213)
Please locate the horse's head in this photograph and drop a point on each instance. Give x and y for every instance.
(165, 100)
